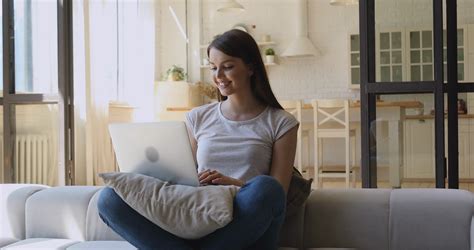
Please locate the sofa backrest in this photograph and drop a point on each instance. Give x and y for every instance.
(347, 218)
(12, 208)
(373, 219)
(432, 218)
(58, 212)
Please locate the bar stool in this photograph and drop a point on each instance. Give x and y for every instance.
(331, 120)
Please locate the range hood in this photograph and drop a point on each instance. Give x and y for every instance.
(301, 46)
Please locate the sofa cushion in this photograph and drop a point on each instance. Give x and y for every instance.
(59, 212)
(96, 229)
(185, 211)
(12, 208)
(419, 219)
(347, 218)
(4, 241)
(102, 245)
(41, 244)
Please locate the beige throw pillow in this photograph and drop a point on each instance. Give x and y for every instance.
(185, 211)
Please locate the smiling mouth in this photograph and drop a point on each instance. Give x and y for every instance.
(223, 85)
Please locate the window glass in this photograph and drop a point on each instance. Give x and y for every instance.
(36, 46)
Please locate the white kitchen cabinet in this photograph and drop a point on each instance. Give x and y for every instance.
(464, 148)
(471, 149)
(419, 148)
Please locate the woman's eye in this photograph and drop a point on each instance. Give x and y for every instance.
(213, 68)
(228, 67)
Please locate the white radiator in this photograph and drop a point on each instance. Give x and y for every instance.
(30, 158)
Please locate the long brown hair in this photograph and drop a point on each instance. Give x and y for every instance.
(240, 44)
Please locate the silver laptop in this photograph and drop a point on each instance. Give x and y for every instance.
(158, 149)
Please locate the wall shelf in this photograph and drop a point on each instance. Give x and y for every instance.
(266, 64)
(269, 43)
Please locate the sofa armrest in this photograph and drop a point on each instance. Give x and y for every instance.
(430, 219)
(12, 208)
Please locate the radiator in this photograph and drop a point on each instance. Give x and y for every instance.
(30, 158)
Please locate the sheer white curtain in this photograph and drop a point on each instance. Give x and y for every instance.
(114, 60)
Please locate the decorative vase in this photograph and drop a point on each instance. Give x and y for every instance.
(270, 59)
(174, 76)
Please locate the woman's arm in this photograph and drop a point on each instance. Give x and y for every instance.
(283, 157)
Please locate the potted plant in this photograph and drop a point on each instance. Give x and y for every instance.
(175, 73)
(270, 55)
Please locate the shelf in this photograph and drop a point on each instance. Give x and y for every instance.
(204, 46)
(266, 43)
(271, 64)
(266, 64)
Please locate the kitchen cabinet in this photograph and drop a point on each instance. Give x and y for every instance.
(419, 148)
(405, 55)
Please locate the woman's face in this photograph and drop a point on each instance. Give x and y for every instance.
(230, 74)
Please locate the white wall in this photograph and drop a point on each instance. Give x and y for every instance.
(328, 28)
(171, 46)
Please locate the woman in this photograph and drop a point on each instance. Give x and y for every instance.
(246, 139)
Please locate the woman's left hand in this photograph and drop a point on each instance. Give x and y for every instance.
(213, 177)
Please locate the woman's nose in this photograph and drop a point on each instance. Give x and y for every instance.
(219, 73)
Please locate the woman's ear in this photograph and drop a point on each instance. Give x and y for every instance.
(250, 68)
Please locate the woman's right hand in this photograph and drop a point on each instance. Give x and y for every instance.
(213, 177)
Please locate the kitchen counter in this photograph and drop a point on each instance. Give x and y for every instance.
(356, 104)
(425, 117)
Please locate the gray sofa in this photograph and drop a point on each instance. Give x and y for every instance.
(35, 216)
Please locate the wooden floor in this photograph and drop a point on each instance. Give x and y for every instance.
(409, 184)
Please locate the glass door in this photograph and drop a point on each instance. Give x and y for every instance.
(431, 92)
(402, 96)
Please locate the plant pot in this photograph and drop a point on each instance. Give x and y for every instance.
(270, 59)
(174, 76)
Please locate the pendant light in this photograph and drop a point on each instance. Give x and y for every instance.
(343, 2)
(231, 6)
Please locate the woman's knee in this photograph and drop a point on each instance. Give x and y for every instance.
(269, 191)
(268, 184)
(108, 203)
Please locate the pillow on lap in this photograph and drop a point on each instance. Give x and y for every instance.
(185, 211)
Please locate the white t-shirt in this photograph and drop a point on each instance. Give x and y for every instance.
(238, 149)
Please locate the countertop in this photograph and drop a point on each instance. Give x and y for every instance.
(356, 104)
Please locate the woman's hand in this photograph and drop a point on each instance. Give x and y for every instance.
(213, 177)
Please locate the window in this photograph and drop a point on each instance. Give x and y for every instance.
(390, 56)
(391, 53)
(355, 59)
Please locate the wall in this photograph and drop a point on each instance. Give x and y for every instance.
(171, 46)
(328, 27)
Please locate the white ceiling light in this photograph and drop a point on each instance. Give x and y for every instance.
(231, 6)
(343, 2)
(301, 45)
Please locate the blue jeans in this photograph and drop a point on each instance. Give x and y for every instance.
(259, 211)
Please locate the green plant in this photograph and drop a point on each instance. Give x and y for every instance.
(175, 73)
(269, 52)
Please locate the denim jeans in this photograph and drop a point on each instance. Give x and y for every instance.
(259, 211)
